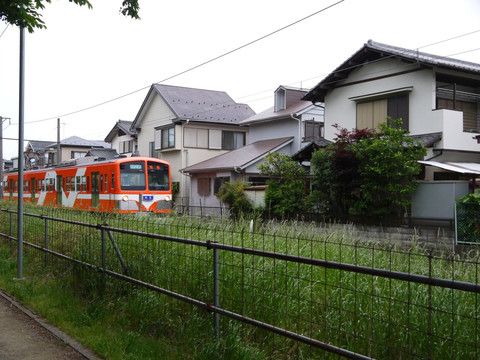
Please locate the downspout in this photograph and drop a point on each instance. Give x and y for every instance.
(299, 131)
(184, 164)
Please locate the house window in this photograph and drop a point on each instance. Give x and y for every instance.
(126, 146)
(195, 138)
(218, 182)
(151, 149)
(168, 138)
(313, 130)
(371, 114)
(203, 186)
(77, 154)
(232, 140)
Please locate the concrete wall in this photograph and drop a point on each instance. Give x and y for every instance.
(436, 200)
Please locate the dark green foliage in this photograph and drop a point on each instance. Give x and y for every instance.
(232, 193)
(367, 173)
(25, 13)
(285, 195)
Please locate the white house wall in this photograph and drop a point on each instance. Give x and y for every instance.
(157, 114)
(118, 139)
(274, 130)
(340, 109)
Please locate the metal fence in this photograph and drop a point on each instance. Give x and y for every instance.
(467, 223)
(329, 295)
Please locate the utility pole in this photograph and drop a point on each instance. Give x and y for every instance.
(59, 153)
(21, 162)
(1, 155)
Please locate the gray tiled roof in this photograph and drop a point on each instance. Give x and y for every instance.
(78, 141)
(270, 114)
(427, 139)
(103, 153)
(38, 145)
(239, 158)
(373, 50)
(125, 126)
(424, 57)
(199, 105)
(203, 105)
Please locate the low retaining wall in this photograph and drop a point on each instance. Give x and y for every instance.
(439, 238)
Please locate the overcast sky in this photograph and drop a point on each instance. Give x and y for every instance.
(88, 57)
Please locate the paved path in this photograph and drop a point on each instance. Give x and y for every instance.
(26, 336)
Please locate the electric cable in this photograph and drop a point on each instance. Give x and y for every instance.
(194, 67)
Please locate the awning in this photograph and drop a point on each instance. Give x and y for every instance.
(459, 167)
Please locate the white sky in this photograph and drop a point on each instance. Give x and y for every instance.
(87, 57)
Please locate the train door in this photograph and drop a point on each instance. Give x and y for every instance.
(59, 189)
(95, 190)
(33, 188)
(11, 189)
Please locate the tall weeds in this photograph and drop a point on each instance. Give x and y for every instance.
(378, 317)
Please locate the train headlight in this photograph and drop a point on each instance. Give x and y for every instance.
(167, 198)
(125, 198)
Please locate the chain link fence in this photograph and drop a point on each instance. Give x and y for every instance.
(467, 223)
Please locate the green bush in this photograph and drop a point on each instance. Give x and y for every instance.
(233, 194)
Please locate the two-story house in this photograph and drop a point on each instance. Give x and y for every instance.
(123, 138)
(73, 147)
(436, 97)
(35, 154)
(288, 127)
(185, 126)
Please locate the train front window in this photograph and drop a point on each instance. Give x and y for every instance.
(132, 175)
(158, 176)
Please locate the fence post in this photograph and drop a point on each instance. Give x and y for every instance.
(103, 247)
(46, 240)
(11, 230)
(216, 293)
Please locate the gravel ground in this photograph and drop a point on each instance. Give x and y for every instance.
(26, 336)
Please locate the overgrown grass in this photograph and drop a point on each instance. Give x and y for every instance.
(370, 315)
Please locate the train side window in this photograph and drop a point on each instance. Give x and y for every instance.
(106, 182)
(101, 182)
(113, 181)
(88, 183)
(77, 183)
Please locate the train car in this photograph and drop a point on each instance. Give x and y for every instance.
(123, 185)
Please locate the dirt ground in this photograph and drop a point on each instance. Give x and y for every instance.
(23, 336)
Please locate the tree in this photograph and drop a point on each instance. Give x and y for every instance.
(232, 193)
(368, 173)
(285, 194)
(25, 13)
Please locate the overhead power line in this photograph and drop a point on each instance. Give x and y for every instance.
(194, 67)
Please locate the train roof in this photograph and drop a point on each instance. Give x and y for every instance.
(91, 160)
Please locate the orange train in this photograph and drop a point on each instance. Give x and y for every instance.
(122, 185)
